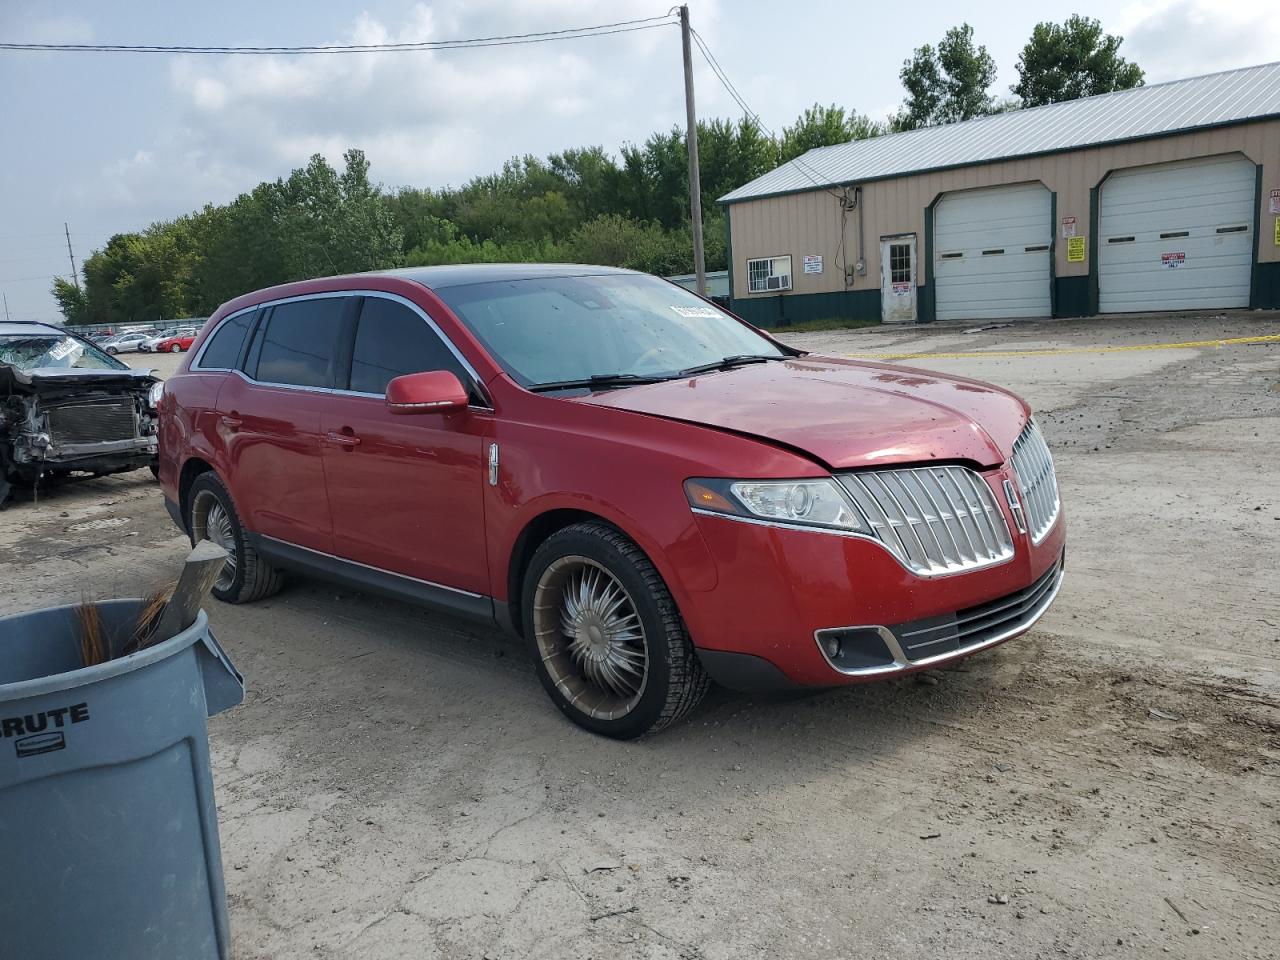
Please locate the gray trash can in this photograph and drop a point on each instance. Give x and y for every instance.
(108, 830)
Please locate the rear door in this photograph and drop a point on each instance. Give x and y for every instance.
(406, 491)
(269, 420)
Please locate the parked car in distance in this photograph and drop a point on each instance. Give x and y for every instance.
(176, 343)
(124, 343)
(66, 406)
(648, 490)
(152, 342)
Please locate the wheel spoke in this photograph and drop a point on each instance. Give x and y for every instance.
(590, 637)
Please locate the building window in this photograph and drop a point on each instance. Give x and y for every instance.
(769, 273)
(899, 263)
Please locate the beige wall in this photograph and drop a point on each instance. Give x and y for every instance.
(809, 223)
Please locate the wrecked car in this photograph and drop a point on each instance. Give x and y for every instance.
(66, 407)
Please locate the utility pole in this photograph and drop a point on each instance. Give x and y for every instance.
(691, 140)
(6, 308)
(75, 277)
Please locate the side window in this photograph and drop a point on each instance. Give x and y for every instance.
(223, 351)
(392, 340)
(300, 342)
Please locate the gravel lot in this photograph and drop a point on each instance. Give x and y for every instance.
(397, 785)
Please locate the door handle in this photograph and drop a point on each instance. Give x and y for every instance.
(232, 423)
(345, 440)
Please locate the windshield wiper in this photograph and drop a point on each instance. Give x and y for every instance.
(599, 380)
(728, 363)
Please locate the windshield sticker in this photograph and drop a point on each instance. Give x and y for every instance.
(697, 313)
(63, 349)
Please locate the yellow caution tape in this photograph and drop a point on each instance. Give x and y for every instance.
(1063, 351)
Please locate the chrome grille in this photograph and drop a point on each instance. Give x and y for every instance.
(93, 422)
(1034, 466)
(935, 520)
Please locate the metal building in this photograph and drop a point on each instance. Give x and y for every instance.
(1165, 197)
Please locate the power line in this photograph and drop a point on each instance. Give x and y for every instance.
(545, 36)
(754, 117)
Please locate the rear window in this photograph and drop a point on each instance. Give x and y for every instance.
(300, 341)
(391, 341)
(223, 351)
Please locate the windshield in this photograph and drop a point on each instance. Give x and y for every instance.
(554, 330)
(49, 351)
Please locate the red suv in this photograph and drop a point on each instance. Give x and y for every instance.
(651, 492)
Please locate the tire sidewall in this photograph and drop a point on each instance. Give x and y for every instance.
(208, 482)
(657, 681)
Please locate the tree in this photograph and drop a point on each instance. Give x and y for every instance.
(71, 301)
(821, 126)
(946, 84)
(1071, 60)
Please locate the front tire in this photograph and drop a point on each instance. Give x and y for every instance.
(211, 515)
(176, 348)
(609, 645)
(113, 351)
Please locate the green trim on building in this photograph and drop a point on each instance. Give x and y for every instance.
(786, 309)
(926, 302)
(1092, 252)
(1071, 297)
(1266, 286)
(1255, 269)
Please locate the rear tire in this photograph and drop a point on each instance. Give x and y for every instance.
(609, 645)
(211, 515)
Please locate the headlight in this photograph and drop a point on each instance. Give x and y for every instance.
(154, 394)
(807, 503)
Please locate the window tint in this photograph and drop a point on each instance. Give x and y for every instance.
(223, 351)
(300, 341)
(391, 341)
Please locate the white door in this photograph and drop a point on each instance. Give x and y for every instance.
(992, 252)
(898, 279)
(1177, 236)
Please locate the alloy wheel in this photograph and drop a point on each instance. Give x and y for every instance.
(590, 637)
(210, 520)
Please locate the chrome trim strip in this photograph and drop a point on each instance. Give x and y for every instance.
(796, 527)
(901, 663)
(366, 566)
(449, 344)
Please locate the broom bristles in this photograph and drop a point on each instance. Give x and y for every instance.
(93, 645)
(149, 618)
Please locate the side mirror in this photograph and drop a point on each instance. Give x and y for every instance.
(436, 391)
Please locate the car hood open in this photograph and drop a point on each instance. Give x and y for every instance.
(844, 413)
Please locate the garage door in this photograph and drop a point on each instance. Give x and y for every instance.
(991, 253)
(1178, 236)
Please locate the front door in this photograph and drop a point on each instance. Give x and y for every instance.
(898, 279)
(406, 491)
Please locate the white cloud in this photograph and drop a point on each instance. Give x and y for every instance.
(1170, 39)
(425, 118)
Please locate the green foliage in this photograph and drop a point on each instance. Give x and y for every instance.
(946, 84)
(579, 205)
(821, 126)
(1071, 60)
(71, 300)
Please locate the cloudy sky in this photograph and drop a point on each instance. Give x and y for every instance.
(112, 142)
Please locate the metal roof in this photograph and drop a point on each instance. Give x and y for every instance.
(1232, 96)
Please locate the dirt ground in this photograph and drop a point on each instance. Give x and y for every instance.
(397, 785)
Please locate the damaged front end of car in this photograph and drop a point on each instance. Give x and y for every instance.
(56, 423)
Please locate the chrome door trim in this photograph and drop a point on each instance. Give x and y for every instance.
(449, 344)
(381, 570)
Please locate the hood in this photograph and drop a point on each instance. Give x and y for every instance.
(23, 381)
(844, 413)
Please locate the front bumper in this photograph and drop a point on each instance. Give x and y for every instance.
(781, 591)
